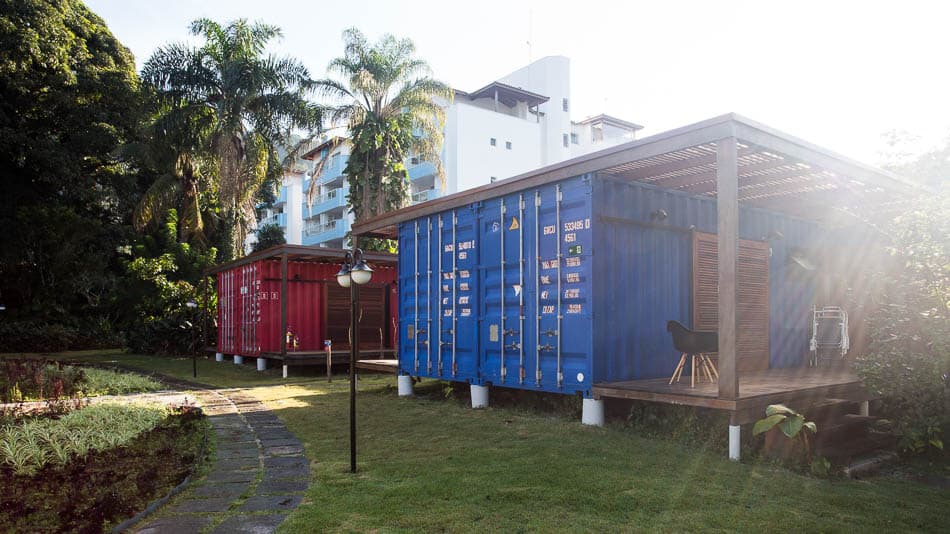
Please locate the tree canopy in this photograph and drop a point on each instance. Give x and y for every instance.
(390, 103)
(223, 109)
(68, 99)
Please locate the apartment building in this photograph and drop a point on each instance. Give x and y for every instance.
(517, 123)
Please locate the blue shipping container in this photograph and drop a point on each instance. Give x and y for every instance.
(561, 286)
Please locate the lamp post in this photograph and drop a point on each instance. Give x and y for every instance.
(354, 273)
(191, 304)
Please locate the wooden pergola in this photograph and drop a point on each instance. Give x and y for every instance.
(731, 158)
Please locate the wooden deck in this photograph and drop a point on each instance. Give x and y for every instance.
(319, 357)
(380, 366)
(797, 387)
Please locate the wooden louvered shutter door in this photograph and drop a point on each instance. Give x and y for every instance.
(338, 314)
(372, 303)
(752, 278)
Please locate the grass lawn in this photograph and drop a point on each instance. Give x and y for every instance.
(219, 374)
(432, 464)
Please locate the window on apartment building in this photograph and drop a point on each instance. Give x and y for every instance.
(564, 105)
(414, 160)
(566, 142)
(508, 145)
(574, 139)
(596, 134)
(492, 141)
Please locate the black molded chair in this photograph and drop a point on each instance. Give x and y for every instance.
(696, 344)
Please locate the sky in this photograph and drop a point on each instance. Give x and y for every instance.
(839, 74)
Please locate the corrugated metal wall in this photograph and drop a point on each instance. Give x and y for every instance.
(474, 280)
(249, 307)
(558, 287)
(652, 261)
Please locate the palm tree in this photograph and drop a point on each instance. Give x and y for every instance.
(227, 106)
(390, 105)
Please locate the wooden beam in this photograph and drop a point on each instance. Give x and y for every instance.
(283, 305)
(727, 211)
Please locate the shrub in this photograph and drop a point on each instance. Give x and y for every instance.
(103, 382)
(37, 336)
(908, 361)
(162, 277)
(29, 379)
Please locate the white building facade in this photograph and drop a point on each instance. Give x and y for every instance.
(513, 125)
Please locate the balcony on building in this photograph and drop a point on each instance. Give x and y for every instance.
(424, 185)
(332, 203)
(327, 234)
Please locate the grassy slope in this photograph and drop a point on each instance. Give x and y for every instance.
(438, 465)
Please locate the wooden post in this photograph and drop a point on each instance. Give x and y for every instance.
(727, 186)
(283, 307)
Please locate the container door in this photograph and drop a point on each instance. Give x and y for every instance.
(562, 239)
(501, 253)
(408, 282)
(426, 307)
(459, 282)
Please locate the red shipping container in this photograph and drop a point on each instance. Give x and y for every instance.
(318, 308)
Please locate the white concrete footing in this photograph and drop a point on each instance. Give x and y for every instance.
(261, 364)
(865, 408)
(479, 396)
(592, 412)
(218, 357)
(238, 360)
(734, 447)
(404, 385)
(285, 371)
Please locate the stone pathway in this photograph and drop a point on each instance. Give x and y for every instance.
(258, 476)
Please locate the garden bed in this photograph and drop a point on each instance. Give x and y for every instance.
(103, 488)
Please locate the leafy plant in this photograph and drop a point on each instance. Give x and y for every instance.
(105, 382)
(28, 447)
(789, 422)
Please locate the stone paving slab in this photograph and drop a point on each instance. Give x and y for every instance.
(286, 450)
(219, 504)
(269, 487)
(279, 442)
(232, 476)
(230, 490)
(237, 464)
(284, 473)
(250, 524)
(298, 462)
(255, 455)
(267, 503)
(176, 524)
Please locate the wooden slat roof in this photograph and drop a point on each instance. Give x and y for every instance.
(776, 171)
